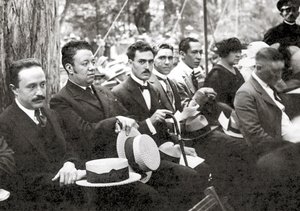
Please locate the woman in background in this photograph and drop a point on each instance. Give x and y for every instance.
(224, 78)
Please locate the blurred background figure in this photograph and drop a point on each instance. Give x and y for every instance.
(247, 64)
(224, 77)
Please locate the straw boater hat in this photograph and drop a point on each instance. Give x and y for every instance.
(108, 172)
(141, 152)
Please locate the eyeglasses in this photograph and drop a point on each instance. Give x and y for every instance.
(290, 9)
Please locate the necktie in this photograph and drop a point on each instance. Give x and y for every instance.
(194, 80)
(275, 93)
(169, 91)
(40, 118)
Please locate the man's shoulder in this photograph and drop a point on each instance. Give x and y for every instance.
(8, 112)
(121, 87)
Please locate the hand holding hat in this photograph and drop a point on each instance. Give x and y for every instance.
(203, 95)
(125, 123)
(67, 174)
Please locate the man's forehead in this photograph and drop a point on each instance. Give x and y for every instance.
(143, 55)
(83, 54)
(195, 45)
(164, 51)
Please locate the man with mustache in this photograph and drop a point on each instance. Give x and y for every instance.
(186, 74)
(142, 101)
(43, 160)
(288, 32)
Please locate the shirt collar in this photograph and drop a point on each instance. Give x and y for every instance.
(186, 68)
(288, 23)
(82, 87)
(139, 81)
(261, 82)
(29, 112)
(159, 75)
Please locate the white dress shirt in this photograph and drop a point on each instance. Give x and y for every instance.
(27, 111)
(147, 98)
(285, 120)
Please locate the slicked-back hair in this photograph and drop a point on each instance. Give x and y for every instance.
(269, 54)
(18, 65)
(69, 50)
(138, 46)
(226, 46)
(156, 48)
(184, 44)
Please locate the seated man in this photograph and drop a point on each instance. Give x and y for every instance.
(266, 127)
(147, 105)
(90, 115)
(37, 144)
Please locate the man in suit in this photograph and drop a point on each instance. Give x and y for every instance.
(145, 105)
(92, 118)
(186, 73)
(266, 126)
(44, 163)
(288, 32)
(261, 113)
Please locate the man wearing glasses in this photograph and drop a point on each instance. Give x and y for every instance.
(288, 32)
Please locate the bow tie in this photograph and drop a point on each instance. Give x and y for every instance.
(40, 118)
(144, 87)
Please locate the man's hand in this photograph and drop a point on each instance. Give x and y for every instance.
(126, 124)
(159, 115)
(204, 94)
(67, 174)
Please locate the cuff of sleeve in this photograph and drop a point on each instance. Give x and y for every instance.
(151, 127)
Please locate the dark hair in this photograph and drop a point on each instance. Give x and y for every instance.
(18, 65)
(69, 50)
(269, 54)
(162, 46)
(138, 46)
(224, 47)
(184, 44)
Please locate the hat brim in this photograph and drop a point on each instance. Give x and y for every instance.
(191, 138)
(133, 177)
(121, 139)
(233, 134)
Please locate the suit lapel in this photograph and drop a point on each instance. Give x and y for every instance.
(261, 90)
(163, 95)
(176, 95)
(189, 83)
(25, 126)
(136, 94)
(102, 97)
(78, 94)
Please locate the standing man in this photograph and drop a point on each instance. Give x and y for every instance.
(288, 32)
(43, 160)
(185, 74)
(91, 117)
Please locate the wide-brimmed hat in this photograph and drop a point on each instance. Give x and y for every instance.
(141, 152)
(195, 127)
(108, 172)
(230, 125)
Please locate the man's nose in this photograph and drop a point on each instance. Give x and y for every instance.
(40, 90)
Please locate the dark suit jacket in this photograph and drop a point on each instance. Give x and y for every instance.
(89, 122)
(129, 94)
(37, 162)
(163, 95)
(259, 116)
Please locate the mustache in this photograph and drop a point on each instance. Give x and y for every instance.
(38, 98)
(146, 71)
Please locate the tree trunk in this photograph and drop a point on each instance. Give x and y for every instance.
(29, 28)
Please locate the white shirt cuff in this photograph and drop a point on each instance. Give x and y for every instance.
(150, 126)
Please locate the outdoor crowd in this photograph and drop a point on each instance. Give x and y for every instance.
(118, 148)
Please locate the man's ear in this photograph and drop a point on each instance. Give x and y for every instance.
(13, 88)
(69, 68)
(130, 62)
(182, 54)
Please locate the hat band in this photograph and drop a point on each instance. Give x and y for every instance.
(199, 132)
(230, 128)
(112, 176)
(130, 156)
